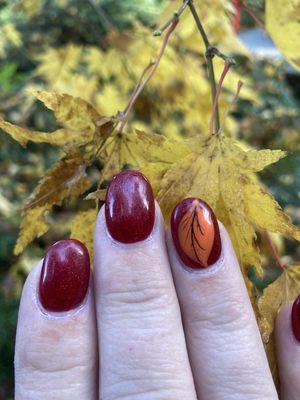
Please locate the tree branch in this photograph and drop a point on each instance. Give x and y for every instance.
(210, 52)
(176, 15)
(146, 69)
(152, 68)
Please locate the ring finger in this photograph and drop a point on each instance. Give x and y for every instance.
(223, 341)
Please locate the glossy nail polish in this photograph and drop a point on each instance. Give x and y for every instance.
(195, 233)
(65, 276)
(296, 318)
(129, 207)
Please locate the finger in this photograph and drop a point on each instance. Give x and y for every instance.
(143, 352)
(223, 341)
(56, 343)
(288, 350)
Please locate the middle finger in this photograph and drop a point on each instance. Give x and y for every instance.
(142, 345)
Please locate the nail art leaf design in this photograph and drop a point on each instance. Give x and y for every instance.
(196, 233)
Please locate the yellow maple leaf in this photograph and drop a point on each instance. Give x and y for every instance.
(57, 64)
(33, 225)
(220, 172)
(282, 23)
(82, 228)
(66, 179)
(136, 150)
(284, 289)
(76, 114)
(79, 118)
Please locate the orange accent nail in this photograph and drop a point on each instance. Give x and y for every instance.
(196, 233)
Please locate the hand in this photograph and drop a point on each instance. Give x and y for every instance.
(163, 316)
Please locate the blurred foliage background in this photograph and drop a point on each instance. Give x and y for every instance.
(96, 49)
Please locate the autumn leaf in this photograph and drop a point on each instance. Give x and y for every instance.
(33, 225)
(282, 23)
(58, 64)
(82, 228)
(66, 179)
(74, 113)
(220, 172)
(80, 119)
(84, 133)
(284, 289)
(137, 150)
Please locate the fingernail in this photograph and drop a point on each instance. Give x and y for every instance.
(195, 233)
(65, 276)
(296, 318)
(129, 207)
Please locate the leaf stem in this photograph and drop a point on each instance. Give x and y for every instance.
(274, 250)
(216, 98)
(146, 69)
(151, 68)
(210, 52)
(236, 96)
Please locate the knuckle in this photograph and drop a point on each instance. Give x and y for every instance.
(134, 384)
(235, 318)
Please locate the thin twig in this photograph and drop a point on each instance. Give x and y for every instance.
(146, 69)
(234, 100)
(175, 17)
(218, 91)
(252, 14)
(210, 52)
(153, 68)
(274, 250)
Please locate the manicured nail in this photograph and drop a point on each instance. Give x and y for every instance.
(129, 207)
(65, 276)
(195, 233)
(296, 318)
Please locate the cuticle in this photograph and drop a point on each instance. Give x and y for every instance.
(54, 315)
(207, 272)
(149, 238)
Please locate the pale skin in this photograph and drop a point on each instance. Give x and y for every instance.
(152, 329)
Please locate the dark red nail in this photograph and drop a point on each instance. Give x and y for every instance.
(65, 276)
(129, 207)
(296, 318)
(195, 233)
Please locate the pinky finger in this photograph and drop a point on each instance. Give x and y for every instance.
(288, 350)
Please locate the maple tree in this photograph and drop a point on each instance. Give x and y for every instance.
(197, 158)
